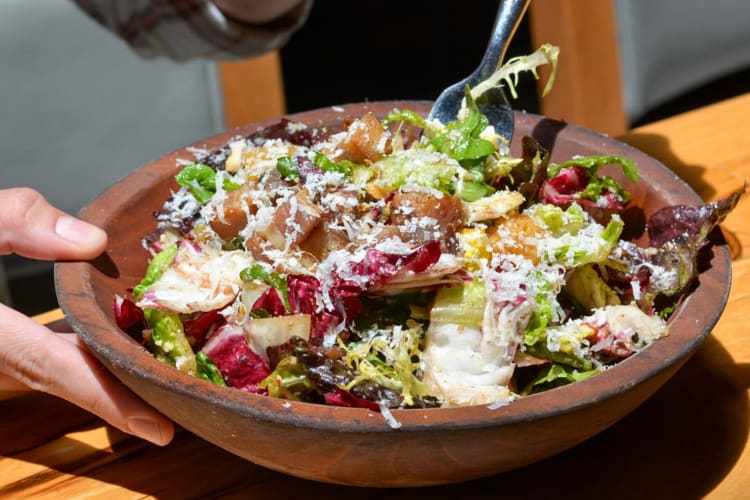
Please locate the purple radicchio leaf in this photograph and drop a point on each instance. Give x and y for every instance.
(670, 263)
(681, 222)
(239, 365)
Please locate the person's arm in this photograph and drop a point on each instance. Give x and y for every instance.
(259, 11)
(191, 29)
(33, 357)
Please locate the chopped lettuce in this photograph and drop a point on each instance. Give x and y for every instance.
(559, 221)
(541, 317)
(167, 340)
(156, 268)
(418, 167)
(207, 370)
(507, 74)
(288, 380)
(201, 180)
(597, 185)
(278, 282)
(391, 360)
(461, 138)
(460, 305)
(556, 375)
(288, 167)
(589, 290)
(576, 238)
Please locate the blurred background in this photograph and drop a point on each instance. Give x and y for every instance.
(79, 110)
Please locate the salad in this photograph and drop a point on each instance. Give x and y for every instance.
(404, 263)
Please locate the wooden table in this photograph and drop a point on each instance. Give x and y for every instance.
(690, 440)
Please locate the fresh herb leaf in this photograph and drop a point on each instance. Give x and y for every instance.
(200, 179)
(288, 167)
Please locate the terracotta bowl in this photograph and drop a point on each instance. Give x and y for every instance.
(356, 446)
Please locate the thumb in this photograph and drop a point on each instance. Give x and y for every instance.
(31, 227)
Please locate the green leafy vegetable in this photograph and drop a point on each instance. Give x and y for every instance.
(417, 167)
(207, 370)
(200, 179)
(258, 272)
(598, 184)
(460, 305)
(288, 167)
(460, 140)
(406, 115)
(327, 165)
(168, 341)
(390, 362)
(156, 268)
(590, 244)
(555, 376)
(587, 288)
(507, 74)
(535, 332)
(289, 380)
(559, 221)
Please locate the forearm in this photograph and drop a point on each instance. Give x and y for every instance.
(193, 29)
(258, 11)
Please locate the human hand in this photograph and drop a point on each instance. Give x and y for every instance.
(32, 357)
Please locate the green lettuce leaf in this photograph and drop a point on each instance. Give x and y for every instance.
(460, 305)
(168, 342)
(156, 268)
(556, 375)
(207, 370)
(200, 179)
(598, 184)
(258, 272)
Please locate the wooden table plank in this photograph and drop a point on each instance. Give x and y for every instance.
(690, 440)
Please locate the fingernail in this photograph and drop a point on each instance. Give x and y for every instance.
(77, 231)
(147, 429)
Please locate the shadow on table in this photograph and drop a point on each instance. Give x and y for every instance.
(679, 444)
(657, 146)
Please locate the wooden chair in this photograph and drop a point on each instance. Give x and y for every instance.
(252, 89)
(621, 58)
(587, 89)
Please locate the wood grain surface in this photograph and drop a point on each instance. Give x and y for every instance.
(690, 440)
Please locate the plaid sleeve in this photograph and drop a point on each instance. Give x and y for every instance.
(188, 29)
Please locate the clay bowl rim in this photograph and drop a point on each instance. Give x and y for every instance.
(92, 319)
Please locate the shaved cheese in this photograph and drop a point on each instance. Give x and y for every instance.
(198, 281)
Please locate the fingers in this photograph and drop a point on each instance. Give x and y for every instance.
(34, 357)
(31, 227)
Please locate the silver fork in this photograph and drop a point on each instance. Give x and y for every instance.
(495, 106)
